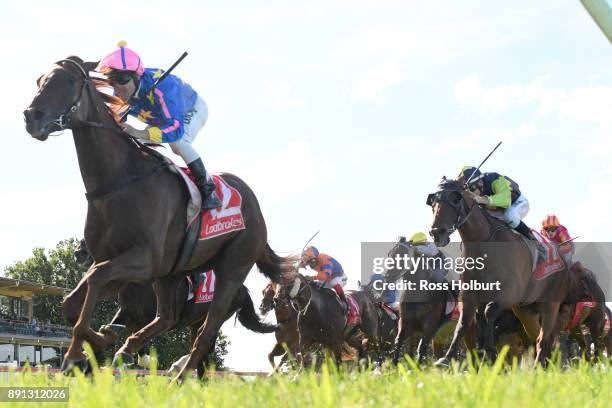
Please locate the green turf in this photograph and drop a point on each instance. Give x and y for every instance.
(583, 385)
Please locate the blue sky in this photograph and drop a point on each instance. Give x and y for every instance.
(342, 115)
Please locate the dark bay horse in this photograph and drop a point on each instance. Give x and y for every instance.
(136, 218)
(137, 307)
(387, 324)
(508, 262)
(584, 306)
(322, 319)
(287, 336)
(422, 311)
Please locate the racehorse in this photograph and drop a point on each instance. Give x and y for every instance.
(287, 336)
(322, 318)
(422, 311)
(387, 323)
(137, 307)
(508, 263)
(137, 217)
(584, 306)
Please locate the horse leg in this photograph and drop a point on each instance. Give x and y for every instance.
(491, 313)
(131, 264)
(229, 280)
(429, 331)
(71, 308)
(169, 307)
(465, 320)
(400, 340)
(277, 350)
(547, 332)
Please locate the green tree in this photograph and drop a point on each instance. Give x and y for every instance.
(58, 267)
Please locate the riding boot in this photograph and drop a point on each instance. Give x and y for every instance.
(338, 288)
(206, 187)
(526, 231)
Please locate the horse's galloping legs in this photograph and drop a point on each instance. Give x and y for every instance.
(400, 340)
(169, 307)
(134, 263)
(465, 320)
(550, 312)
(229, 281)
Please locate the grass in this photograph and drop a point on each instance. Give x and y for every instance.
(496, 386)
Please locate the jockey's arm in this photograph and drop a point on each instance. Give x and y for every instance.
(502, 193)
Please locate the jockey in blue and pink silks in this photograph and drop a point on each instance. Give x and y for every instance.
(173, 111)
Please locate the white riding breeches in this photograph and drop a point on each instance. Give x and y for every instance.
(337, 280)
(517, 211)
(193, 122)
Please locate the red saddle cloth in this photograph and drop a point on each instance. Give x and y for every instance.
(553, 262)
(578, 312)
(228, 217)
(205, 287)
(354, 317)
(385, 307)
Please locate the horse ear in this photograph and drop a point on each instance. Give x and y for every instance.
(39, 80)
(91, 65)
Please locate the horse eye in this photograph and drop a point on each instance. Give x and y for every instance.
(71, 80)
(455, 197)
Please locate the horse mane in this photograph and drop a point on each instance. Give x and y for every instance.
(449, 184)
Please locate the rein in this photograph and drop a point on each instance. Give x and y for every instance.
(65, 121)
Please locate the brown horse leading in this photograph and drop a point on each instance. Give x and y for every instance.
(136, 216)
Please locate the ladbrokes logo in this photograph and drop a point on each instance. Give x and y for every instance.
(228, 217)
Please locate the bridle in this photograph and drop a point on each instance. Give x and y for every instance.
(66, 120)
(442, 196)
(296, 289)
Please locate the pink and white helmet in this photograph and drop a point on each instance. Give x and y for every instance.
(123, 59)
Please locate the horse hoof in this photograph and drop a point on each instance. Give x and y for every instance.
(123, 360)
(69, 366)
(442, 363)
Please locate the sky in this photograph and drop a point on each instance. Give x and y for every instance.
(341, 115)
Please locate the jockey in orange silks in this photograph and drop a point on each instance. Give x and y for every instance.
(329, 271)
(553, 230)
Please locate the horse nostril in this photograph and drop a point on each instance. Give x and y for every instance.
(39, 114)
(32, 114)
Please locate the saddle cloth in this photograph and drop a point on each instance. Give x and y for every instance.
(354, 317)
(204, 287)
(218, 221)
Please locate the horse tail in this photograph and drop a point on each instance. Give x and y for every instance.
(249, 318)
(274, 266)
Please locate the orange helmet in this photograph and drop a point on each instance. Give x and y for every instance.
(550, 221)
(309, 253)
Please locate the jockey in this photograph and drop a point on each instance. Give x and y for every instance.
(553, 230)
(497, 191)
(329, 271)
(427, 249)
(173, 111)
(388, 296)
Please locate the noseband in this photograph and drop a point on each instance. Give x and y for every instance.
(442, 196)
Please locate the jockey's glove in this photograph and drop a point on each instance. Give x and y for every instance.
(484, 200)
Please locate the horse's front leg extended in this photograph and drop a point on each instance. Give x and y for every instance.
(170, 301)
(465, 319)
(132, 264)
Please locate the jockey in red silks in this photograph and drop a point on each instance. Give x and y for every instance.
(173, 111)
(553, 230)
(329, 271)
